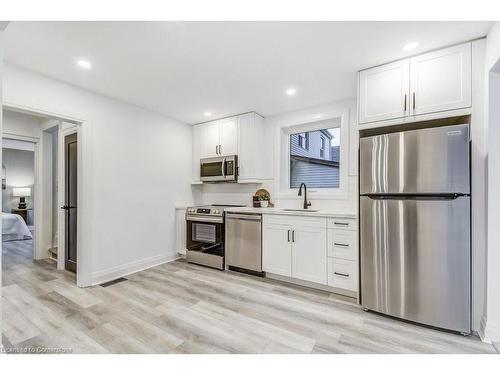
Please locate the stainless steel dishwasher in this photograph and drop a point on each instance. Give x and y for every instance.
(244, 242)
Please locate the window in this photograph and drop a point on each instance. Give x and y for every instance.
(303, 140)
(318, 163)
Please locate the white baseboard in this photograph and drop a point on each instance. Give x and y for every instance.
(489, 331)
(123, 270)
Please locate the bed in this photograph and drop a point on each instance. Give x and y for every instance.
(14, 228)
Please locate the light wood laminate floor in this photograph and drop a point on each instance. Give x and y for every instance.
(183, 308)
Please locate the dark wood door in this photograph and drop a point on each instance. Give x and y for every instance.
(71, 183)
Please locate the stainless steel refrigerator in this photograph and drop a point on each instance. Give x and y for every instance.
(415, 226)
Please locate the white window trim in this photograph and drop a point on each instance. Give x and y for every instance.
(282, 146)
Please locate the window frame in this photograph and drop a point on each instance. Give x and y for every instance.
(284, 130)
(322, 145)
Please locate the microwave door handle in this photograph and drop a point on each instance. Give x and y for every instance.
(224, 168)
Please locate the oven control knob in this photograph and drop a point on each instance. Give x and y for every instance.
(216, 211)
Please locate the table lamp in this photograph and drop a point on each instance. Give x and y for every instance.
(22, 193)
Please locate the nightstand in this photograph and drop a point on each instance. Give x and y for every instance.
(21, 212)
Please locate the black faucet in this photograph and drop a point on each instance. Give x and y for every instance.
(306, 203)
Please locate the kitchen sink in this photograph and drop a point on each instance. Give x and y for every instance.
(299, 210)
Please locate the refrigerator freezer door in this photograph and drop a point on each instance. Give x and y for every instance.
(415, 260)
(425, 161)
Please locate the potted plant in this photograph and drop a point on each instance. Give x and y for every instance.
(264, 200)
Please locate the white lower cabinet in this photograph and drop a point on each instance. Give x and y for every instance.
(342, 244)
(343, 254)
(343, 274)
(277, 249)
(312, 249)
(309, 254)
(296, 247)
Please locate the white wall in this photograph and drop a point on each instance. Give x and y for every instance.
(15, 123)
(491, 319)
(139, 170)
(242, 193)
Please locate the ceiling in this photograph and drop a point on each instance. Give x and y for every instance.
(183, 69)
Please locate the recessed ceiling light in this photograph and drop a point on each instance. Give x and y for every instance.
(84, 64)
(410, 46)
(291, 91)
(319, 115)
(208, 114)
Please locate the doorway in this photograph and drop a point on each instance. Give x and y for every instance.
(18, 185)
(81, 239)
(53, 135)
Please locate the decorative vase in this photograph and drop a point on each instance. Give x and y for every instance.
(264, 204)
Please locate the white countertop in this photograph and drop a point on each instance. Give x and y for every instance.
(281, 211)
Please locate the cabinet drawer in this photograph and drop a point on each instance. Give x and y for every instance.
(343, 274)
(342, 244)
(349, 224)
(296, 221)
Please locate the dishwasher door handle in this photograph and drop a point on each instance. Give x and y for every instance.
(244, 217)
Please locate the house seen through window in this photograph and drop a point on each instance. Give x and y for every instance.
(315, 158)
(303, 140)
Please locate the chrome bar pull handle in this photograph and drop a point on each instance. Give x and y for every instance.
(341, 274)
(341, 244)
(405, 104)
(340, 223)
(413, 100)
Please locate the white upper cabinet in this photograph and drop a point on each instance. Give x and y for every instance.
(228, 144)
(433, 82)
(211, 139)
(383, 92)
(250, 145)
(241, 135)
(441, 80)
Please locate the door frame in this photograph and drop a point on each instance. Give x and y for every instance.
(83, 128)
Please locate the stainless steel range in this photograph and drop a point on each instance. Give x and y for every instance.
(205, 235)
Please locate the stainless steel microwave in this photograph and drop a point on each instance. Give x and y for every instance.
(219, 169)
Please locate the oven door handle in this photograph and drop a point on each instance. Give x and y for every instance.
(205, 219)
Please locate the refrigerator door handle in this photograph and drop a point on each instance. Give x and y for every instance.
(426, 197)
